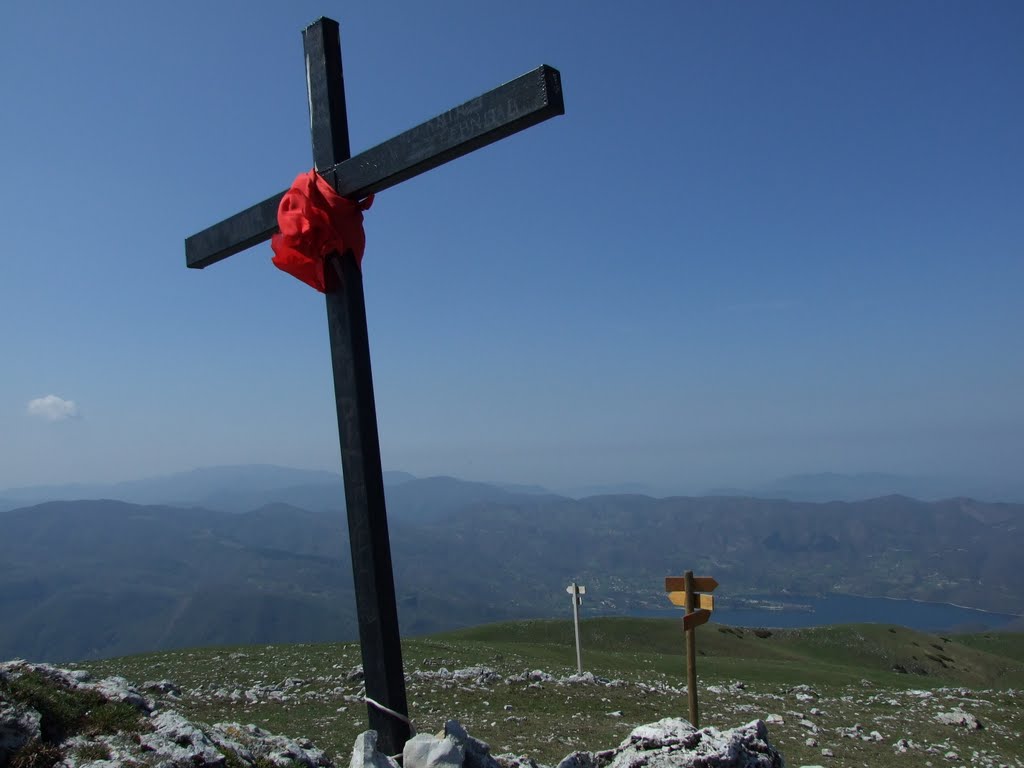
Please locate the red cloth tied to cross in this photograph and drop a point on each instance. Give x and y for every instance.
(314, 221)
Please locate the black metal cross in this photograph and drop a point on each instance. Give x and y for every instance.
(519, 104)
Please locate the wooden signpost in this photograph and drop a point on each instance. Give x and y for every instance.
(576, 590)
(684, 591)
(509, 108)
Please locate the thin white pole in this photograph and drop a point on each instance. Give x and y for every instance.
(576, 624)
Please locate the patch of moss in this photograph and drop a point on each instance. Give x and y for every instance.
(93, 751)
(66, 712)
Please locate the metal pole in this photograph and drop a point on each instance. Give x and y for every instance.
(576, 625)
(691, 653)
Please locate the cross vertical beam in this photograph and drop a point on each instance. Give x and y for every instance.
(357, 414)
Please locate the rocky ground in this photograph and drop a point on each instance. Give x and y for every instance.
(57, 717)
(316, 692)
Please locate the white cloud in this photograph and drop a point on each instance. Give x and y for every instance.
(52, 408)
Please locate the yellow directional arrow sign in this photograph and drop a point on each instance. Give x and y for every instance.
(695, 619)
(700, 584)
(700, 601)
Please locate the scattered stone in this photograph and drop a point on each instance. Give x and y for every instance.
(775, 720)
(180, 743)
(477, 753)
(426, 751)
(366, 755)
(958, 717)
(118, 689)
(674, 743)
(585, 678)
(578, 760)
(826, 752)
(19, 725)
(516, 761)
(263, 745)
(162, 686)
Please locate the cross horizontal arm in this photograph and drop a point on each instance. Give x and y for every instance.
(509, 108)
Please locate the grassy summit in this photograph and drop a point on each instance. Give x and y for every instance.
(886, 679)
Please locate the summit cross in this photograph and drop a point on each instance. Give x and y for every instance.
(509, 108)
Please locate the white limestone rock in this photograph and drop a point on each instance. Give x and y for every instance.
(19, 725)
(162, 686)
(578, 760)
(674, 743)
(959, 717)
(118, 689)
(180, 743)
(477, 753)
(252, 743)
(509, 760)
(587, 678)
(478, 675)
(366, 755)
(426, 751)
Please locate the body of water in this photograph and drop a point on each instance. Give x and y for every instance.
(798, 611)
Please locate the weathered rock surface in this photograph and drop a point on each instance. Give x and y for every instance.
(165, 739)
(366, 755)
(477, 753)
(959, 717)
(19, 725)
(180, 743)
(674, 743)
(263, 745)
(426, 751)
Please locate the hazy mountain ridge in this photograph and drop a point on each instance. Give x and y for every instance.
(95, 578)
(242, 488)
(234, 488)
(835, 486)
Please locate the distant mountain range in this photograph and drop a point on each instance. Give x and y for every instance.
(832, 486)
(99, 578)
(230, 488)
(247, 487)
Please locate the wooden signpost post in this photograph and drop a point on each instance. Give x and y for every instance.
(576, 590)
(509, 108)
(685, 591)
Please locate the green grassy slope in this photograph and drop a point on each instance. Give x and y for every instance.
(833, 654)
(849, 668)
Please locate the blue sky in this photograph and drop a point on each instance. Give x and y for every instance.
(765, 239)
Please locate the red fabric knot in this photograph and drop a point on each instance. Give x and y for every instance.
(314, 221)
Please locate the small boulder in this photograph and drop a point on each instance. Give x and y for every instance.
(674, 743)
(578, 760)
(426, 751)
(162, 686)
(477, 753)
(19, 725)
(366, 755)
(180, 743)
(959, 717)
